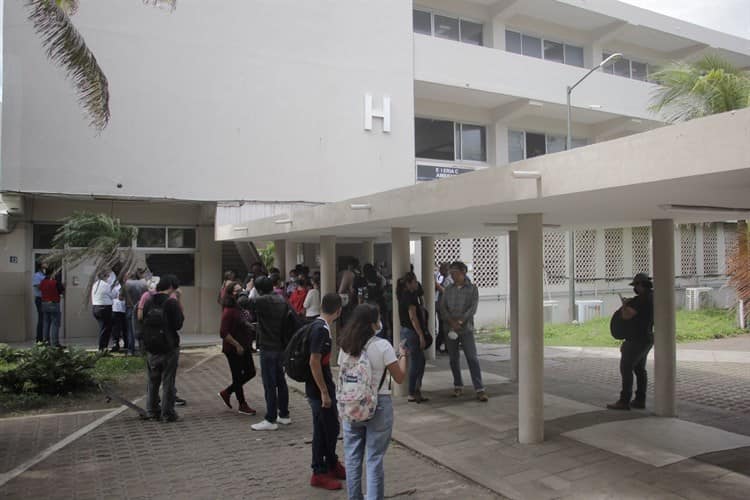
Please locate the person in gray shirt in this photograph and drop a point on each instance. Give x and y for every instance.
(457, 308)
(135, 287)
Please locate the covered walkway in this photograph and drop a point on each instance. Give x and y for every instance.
(693, 172)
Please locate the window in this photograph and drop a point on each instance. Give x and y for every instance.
(522, 145)
(43, 235)
(532, 46)
(555, 143)
(422, 22)
(151, 237)
(165, 237)
(451, 28)
(638, 71)
(515, 146)
(473, 145)
(622, 67)
(626, 68)
(181, 265)
(574, 55)
(471, 32)
(535, 145)
(553, 51)
(434, 139)
(513, 42)
(180, 238)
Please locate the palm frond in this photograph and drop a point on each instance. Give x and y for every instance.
(70, 7)
(65, 46)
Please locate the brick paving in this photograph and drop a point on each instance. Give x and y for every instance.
(212, 453)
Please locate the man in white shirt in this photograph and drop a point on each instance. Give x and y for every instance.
(102, 299)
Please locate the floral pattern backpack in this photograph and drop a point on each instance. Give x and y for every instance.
(356, 397)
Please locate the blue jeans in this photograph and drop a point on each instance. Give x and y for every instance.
(130, 319)
(416, 359)
(274, 385)
(370, 439)
(325, 433)
(51, 322)
(469, 346)
(103, 316)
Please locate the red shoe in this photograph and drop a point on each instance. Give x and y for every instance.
(337, 471)
(246, 410)
(224, 395)
(325, 481)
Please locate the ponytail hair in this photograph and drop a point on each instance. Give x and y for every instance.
(407, 278)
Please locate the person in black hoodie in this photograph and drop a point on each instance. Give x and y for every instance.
(162, 363)
(271, 312)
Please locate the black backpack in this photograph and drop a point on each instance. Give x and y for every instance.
(290, 325)
(620, 328)
(297, 355)
(155, 338)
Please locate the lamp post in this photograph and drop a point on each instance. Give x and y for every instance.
(568, 147)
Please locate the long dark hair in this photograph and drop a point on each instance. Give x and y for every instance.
(229, 300)
(358, 329)
(407, 278)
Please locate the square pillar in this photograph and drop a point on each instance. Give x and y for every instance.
(279, 257)
(399, 266)
(368, 252)
(290, 259)
(428, 284)
(665, 341)
(328, 282)
(513, 279)
(530, 330)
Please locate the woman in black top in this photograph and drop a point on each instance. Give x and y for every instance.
(412, 332)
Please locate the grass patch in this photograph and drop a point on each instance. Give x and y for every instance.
(112, 369)
(692, 326)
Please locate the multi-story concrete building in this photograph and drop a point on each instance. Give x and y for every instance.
(220, 112)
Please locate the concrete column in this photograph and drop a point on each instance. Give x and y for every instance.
(328, 281)
(290, 258)
(368, 252)
(530, 330)
(665, 349)
(428, 284)
(399, 265)
(279, 257)
(513, 278)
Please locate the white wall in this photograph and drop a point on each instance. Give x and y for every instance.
(251, 99)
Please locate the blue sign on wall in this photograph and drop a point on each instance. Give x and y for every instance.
(432, 172)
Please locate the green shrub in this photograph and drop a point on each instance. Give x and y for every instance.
(48, 370)
(8, 354)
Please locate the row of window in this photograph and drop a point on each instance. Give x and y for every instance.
(148, 237)
(522, 145)
(451, 28)
(533, 46)
(627, 68)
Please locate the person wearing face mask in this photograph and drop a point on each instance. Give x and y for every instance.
(236, 344)
(412, 332)
(368, 440)
(638, 314)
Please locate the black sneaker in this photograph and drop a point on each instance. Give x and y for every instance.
(171, 418)
(638, 405)
(179, 402)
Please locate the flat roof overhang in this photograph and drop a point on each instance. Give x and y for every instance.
(628, 181)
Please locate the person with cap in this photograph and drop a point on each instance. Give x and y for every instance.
(638, 313)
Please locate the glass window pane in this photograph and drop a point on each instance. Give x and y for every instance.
(532, 46)
(181, 265)
(513, 41)
(553, 51)
(43, 235)
(181, 238)
(434, 139)
(577, 143)
(535, 145)
(473, 143)
(609, 68)
(555, 143)
(446, 27)
(471, 32)
(422, 22)
(515, 145)
(151, 237)
(574, 55)
(639, 71)
(622, 67)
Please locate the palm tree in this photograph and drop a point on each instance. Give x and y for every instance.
(65, 46)
(706, 87)
(738, 264)
(97, 238)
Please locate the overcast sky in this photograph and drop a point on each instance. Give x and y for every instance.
(730, 16)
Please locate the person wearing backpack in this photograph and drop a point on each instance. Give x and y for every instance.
(162, 319)
(321, 394)
(236, 342)
(272, 314)
(364, 361)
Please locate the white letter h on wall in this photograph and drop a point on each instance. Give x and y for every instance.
(384, 113)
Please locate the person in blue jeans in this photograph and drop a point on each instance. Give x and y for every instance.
(412, 332)
(368, 441)
(271, 310)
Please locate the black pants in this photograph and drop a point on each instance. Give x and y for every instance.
(243, 369)
(325, 433)
(39, 319)
(119, 329)
(103, 316)
(633, 360)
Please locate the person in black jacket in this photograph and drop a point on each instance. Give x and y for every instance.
(162, 366)
(271, 312)
(639, 313)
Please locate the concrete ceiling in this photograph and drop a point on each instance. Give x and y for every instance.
(622, 182)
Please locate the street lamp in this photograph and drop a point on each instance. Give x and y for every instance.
(571, 235)
(570, 88)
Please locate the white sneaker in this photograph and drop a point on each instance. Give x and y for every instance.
(264, 425)
(283, 421)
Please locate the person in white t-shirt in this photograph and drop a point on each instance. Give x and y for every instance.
(102, 299)
(369, 440)
(312, 301)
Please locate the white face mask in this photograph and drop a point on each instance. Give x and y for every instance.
(380, 328)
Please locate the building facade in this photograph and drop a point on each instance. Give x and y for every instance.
(257, 107)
